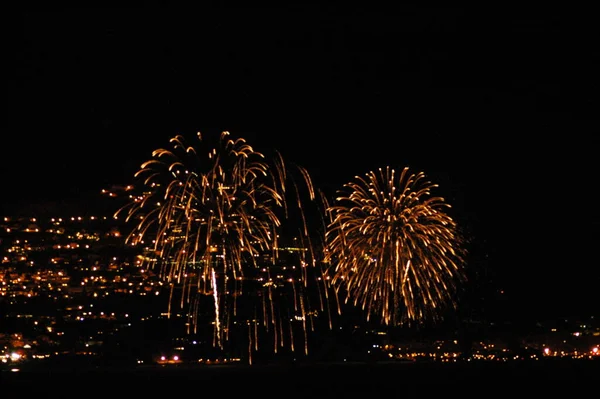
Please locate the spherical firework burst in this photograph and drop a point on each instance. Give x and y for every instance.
(393, 249)
(214, 215)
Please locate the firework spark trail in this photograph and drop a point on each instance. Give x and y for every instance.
(393, 249)
(213, 213)
(217, 318)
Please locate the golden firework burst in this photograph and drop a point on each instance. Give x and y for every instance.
(393, 248)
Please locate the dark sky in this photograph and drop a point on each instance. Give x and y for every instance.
(500, 107)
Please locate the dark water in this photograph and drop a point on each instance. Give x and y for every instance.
(316, 380)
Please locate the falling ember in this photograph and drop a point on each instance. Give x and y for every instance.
(215, 216)
(393, 249)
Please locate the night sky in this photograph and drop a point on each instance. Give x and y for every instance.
(500, 107)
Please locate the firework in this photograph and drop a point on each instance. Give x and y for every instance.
(211, 217)
(393, 249)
